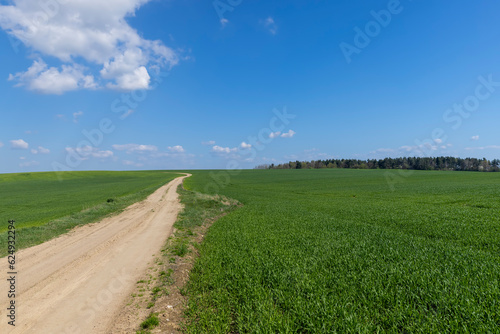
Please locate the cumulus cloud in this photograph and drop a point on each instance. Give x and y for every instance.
(274, 134)
(309, 154)
(93, 32)
(176, 149)
(244, 145)
(314, 154)
(133, 148)
(208, 143)
(41, 150)
(50, 80)
(76, 116)
(291, 157)
(419, 148)
(87, 151)
(384, 150)
(220, 149)
(19, 144)
(474, 138)
(288, 134)
(490, 147)
(127, 114)
(224, 22)
(29, 164)
(425, 149)
(132, 163)
(270, 25)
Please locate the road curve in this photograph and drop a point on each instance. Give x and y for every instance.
(77, 282)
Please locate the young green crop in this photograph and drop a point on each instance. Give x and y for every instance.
(336, 251)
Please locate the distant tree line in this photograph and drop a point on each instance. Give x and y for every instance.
(415, 163)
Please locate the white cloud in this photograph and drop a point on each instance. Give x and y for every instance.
(219, 149)
(171, 159)
(224, 22)
(291, 157)
(244, 145)
(39, 77)
(88, 151)
(288, 134)
(314, 154)
(132, 148)
(132, 163)
(308, 155)
(426, 149)
(208, 143)
(76, 116)
(41, 150)
(383, 150)
(474, 138)
(491, 147)
(176, 149)
(29, 164)
(418, 148)
(19, 144)
(438, 141)
(274, 134)
(136, 79)
(1, 144)
(127, 114)
(270, 25)
(93, 32)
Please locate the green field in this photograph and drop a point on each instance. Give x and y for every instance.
(336, 251)
(310, 251)
(44, 206)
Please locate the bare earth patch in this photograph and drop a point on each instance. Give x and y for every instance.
(169, 304)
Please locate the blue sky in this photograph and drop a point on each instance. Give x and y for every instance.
(138, 84)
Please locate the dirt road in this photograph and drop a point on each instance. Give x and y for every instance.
(78, 282)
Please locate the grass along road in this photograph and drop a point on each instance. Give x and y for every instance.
(159, 298)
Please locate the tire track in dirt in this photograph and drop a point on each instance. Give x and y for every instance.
(77, 282)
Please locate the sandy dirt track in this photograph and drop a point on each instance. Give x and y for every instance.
(78, 282)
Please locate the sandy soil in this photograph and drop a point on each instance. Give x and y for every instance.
(79, 282)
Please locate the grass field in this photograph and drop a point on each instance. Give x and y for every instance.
(336, 251)
(44, 207)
